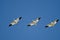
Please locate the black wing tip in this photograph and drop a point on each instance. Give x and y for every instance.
(28, 25)
(46, 26)
(10, 25)
(20, 18)
(57, 20)
(39, 18)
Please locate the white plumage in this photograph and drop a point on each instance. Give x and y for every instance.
(52, 23)
(15, 21)
(34, 22)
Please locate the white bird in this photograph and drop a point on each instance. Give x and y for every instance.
(34, 22)
(15, 21)
(52, 23)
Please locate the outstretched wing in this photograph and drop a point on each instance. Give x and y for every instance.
(34, 22)
(52, 23)
(15, 21)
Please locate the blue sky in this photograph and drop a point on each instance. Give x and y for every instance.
(48, 10)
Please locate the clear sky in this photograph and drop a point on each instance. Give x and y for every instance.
(48, 10)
